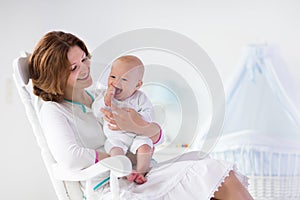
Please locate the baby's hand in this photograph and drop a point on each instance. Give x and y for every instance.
(110, 93)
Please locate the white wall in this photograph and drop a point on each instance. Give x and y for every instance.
(222, 28)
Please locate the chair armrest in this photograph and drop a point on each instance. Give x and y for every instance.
(117, 165)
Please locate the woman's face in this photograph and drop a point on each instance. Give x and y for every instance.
(80, 77)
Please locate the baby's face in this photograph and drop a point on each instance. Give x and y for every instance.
(125, 78)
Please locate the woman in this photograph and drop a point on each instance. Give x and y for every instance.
(60, 72)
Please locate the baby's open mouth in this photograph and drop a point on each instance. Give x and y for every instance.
(118, 91)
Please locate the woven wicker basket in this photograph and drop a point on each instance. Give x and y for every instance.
(274, 188)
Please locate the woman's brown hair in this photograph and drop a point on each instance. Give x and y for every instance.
(49, 64)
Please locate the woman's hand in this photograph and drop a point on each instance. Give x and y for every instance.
(128, 119)
(108, 116)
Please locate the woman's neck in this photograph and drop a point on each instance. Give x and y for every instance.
(79, 96)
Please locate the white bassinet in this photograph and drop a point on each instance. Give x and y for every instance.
(273, 168)
(261, 129)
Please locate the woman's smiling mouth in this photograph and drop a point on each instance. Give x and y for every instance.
(84, 78)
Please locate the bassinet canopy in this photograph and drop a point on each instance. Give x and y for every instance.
(263, 96)
(261, 132)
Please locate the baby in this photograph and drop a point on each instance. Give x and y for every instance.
(124, 81)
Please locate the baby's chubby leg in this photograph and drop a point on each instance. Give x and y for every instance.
(143, 157)
(144, 154)
(115, 151)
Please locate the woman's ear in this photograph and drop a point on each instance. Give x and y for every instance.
(139, 84)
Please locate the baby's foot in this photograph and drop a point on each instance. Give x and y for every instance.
(131, 177)
(140, 179)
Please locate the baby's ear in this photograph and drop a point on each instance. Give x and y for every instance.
(139, 85)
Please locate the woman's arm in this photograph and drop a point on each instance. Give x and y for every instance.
(61, 140)
(129, 120)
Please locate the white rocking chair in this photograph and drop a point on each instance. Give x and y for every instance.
(66, 183)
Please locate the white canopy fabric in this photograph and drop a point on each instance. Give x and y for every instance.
(263, 96)
(261, 131)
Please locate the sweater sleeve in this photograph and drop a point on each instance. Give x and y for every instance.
(61, 139)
